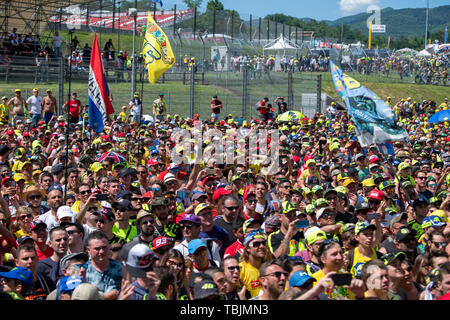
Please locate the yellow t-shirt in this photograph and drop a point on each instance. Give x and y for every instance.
(123, 116)
(4, 111)
(337, 291)
(250, 277)
(359, 260)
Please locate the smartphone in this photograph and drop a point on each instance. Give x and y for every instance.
(302, 224)
(211, 172)
(373, 215)
(342, 279)
(101, 197)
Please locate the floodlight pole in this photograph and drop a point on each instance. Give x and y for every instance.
(133, 13)
(426, 24)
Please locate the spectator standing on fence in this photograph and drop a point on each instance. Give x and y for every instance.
(35, 102)
(73, 106)
(160, 108)
(18, 107)
(57, 41)
(216, 105)
(42, 65)
(49, 105)
(135, 107)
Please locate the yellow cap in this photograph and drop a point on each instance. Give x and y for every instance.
(201, 207)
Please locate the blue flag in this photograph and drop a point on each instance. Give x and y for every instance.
(158, 1)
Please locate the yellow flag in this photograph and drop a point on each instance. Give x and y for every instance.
(156, 51)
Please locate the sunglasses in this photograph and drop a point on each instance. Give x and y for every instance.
(92, 209)
(136, 199)
(115, 249)
(257, 244)
(148, 221)
(80, 265)
(85, 192)
(155, 189)
(186, 226)
(142, 172)
(232, 208)
(252, 201)
(24, 217)
(70, 232)
(440, 244)
(327, 215)
(232, 268)
(172, 183)
(421, 178)
(179, 266)
(102, 221)
(277, 274)
(35, 197)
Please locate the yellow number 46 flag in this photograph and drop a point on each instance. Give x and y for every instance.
(156, 51)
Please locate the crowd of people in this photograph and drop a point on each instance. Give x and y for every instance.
(113, 215)
(425, 70)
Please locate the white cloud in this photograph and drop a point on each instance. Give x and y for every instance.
(356, 6)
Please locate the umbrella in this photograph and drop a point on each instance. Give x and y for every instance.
(440, 116)
(111, 154)
(290, 116)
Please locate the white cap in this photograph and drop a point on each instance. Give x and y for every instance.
(64, 212)
(86, 291)
(139, 260)
(312, 229)
(169, 177)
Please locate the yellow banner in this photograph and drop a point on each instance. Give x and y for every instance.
(156, 51)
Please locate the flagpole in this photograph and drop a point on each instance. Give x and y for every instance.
(66, 164)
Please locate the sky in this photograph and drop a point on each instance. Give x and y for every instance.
(318, 9)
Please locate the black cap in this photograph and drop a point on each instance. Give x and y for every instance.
(106, 213)
(402, 234)
(123, 173)
(123, 194)
(122, 203)
(363, 205)
(205, 288)
(419, 201)
(57, 168)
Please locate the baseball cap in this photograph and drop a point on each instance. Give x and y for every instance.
(106, 213)
(322, 211)
(314, 234)
(252, 236)
(376, 195)
(206, 179)
(201, 207)
(73, 256)
(348, 182)
(20, 273)
(247, 223)
(205, 288)
(195, 244)
(403, 165)
(122, 204)
(191, 218)
(299, 279)
(368, 182)
(391, 257)
(87, 291)
(198, 195)
(65, 212)
(432, 221)
(139, 260)
(69, 283)
(35, 224)
(386, 184)
(220, 192)
(441, 214)
(335, 172)
(160, 242)
(363, 205)
(169, 177)
(22, 239)
(402, 234)
(358, 156)
(321, 202)
(419, 202)
(363, 225)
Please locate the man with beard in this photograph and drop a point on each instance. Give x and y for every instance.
(255, 252)
(163, 226)
(59, 242)
(145, 223)
(273, 280)
(54, 200)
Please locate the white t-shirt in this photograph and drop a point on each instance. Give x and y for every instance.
(136, 108)
(35, 104)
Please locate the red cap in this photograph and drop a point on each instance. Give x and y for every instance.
(26, 134)
(376, 195)
(9, 131)
(160, 242)
(220, 192)
(248, 194)
(41, 122)
(121, 135)
(105, 137)
(374, 160)
(196, 115)
(206, 179)
(4, 180)
(61, 124)
(152, 162)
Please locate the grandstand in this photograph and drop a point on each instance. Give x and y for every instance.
(122, 21)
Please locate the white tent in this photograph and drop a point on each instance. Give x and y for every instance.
(424, 53)
(281, 44)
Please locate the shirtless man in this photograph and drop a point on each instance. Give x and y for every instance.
(49, 106)
(18, 104)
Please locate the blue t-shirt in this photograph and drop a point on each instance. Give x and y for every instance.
(220, 234)
(108, 280)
